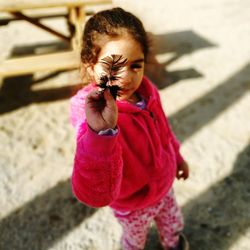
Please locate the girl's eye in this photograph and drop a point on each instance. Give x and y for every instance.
(136, 66)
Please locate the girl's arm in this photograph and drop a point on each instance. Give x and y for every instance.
(173, 139)
(176, 145)
(97, 171)
(182, 170)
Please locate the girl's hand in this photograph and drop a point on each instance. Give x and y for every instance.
(182, 171)
(101, 110)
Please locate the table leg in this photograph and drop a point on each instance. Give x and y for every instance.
(76, 21)
(40, 25)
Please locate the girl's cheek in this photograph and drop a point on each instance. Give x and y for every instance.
(124, 74)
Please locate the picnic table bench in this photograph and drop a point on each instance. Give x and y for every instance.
(75, 16)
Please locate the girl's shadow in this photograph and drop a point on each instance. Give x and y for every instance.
(176, 44)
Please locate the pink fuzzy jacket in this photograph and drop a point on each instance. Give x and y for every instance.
(132, 169)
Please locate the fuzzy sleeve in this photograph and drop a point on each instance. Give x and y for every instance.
(77, 106)
(97, 170)
(176, 145)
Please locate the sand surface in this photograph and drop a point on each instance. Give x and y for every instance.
(204, 82)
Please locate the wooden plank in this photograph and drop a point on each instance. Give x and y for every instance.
(7, 20)
(48, 62)
(19, 5)
(38, 17)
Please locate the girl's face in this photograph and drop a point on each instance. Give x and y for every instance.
(133, 71)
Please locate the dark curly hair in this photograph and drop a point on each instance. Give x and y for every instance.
(110, 24)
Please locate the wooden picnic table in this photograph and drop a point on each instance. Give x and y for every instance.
(76, 16)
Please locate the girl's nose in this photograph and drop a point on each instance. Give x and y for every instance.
(126, 75)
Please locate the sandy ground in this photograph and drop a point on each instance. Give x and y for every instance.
(204, 81)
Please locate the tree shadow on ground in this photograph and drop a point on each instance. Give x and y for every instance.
(41, 222)
(203, 110)
(218, 217)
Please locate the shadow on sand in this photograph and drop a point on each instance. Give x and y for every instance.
(217, 218)
(16, 92)
(178, 44)
(197, 114)
(221, 215)
(41, 222)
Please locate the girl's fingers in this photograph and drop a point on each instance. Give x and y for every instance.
(93, 94)
(107, 95)
(183, 172)
(95, 100)
(101, 110)
(180, 174)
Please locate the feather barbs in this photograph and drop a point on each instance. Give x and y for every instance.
(113, 67)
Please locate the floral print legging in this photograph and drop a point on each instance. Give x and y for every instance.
(136, 224)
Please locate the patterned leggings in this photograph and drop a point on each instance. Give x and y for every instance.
(136, 224)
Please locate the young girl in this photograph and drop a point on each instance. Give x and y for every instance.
(126, 156)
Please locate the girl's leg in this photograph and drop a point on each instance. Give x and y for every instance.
(135, 227)
(169, 222)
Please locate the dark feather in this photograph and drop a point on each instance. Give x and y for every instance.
(113, 67)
